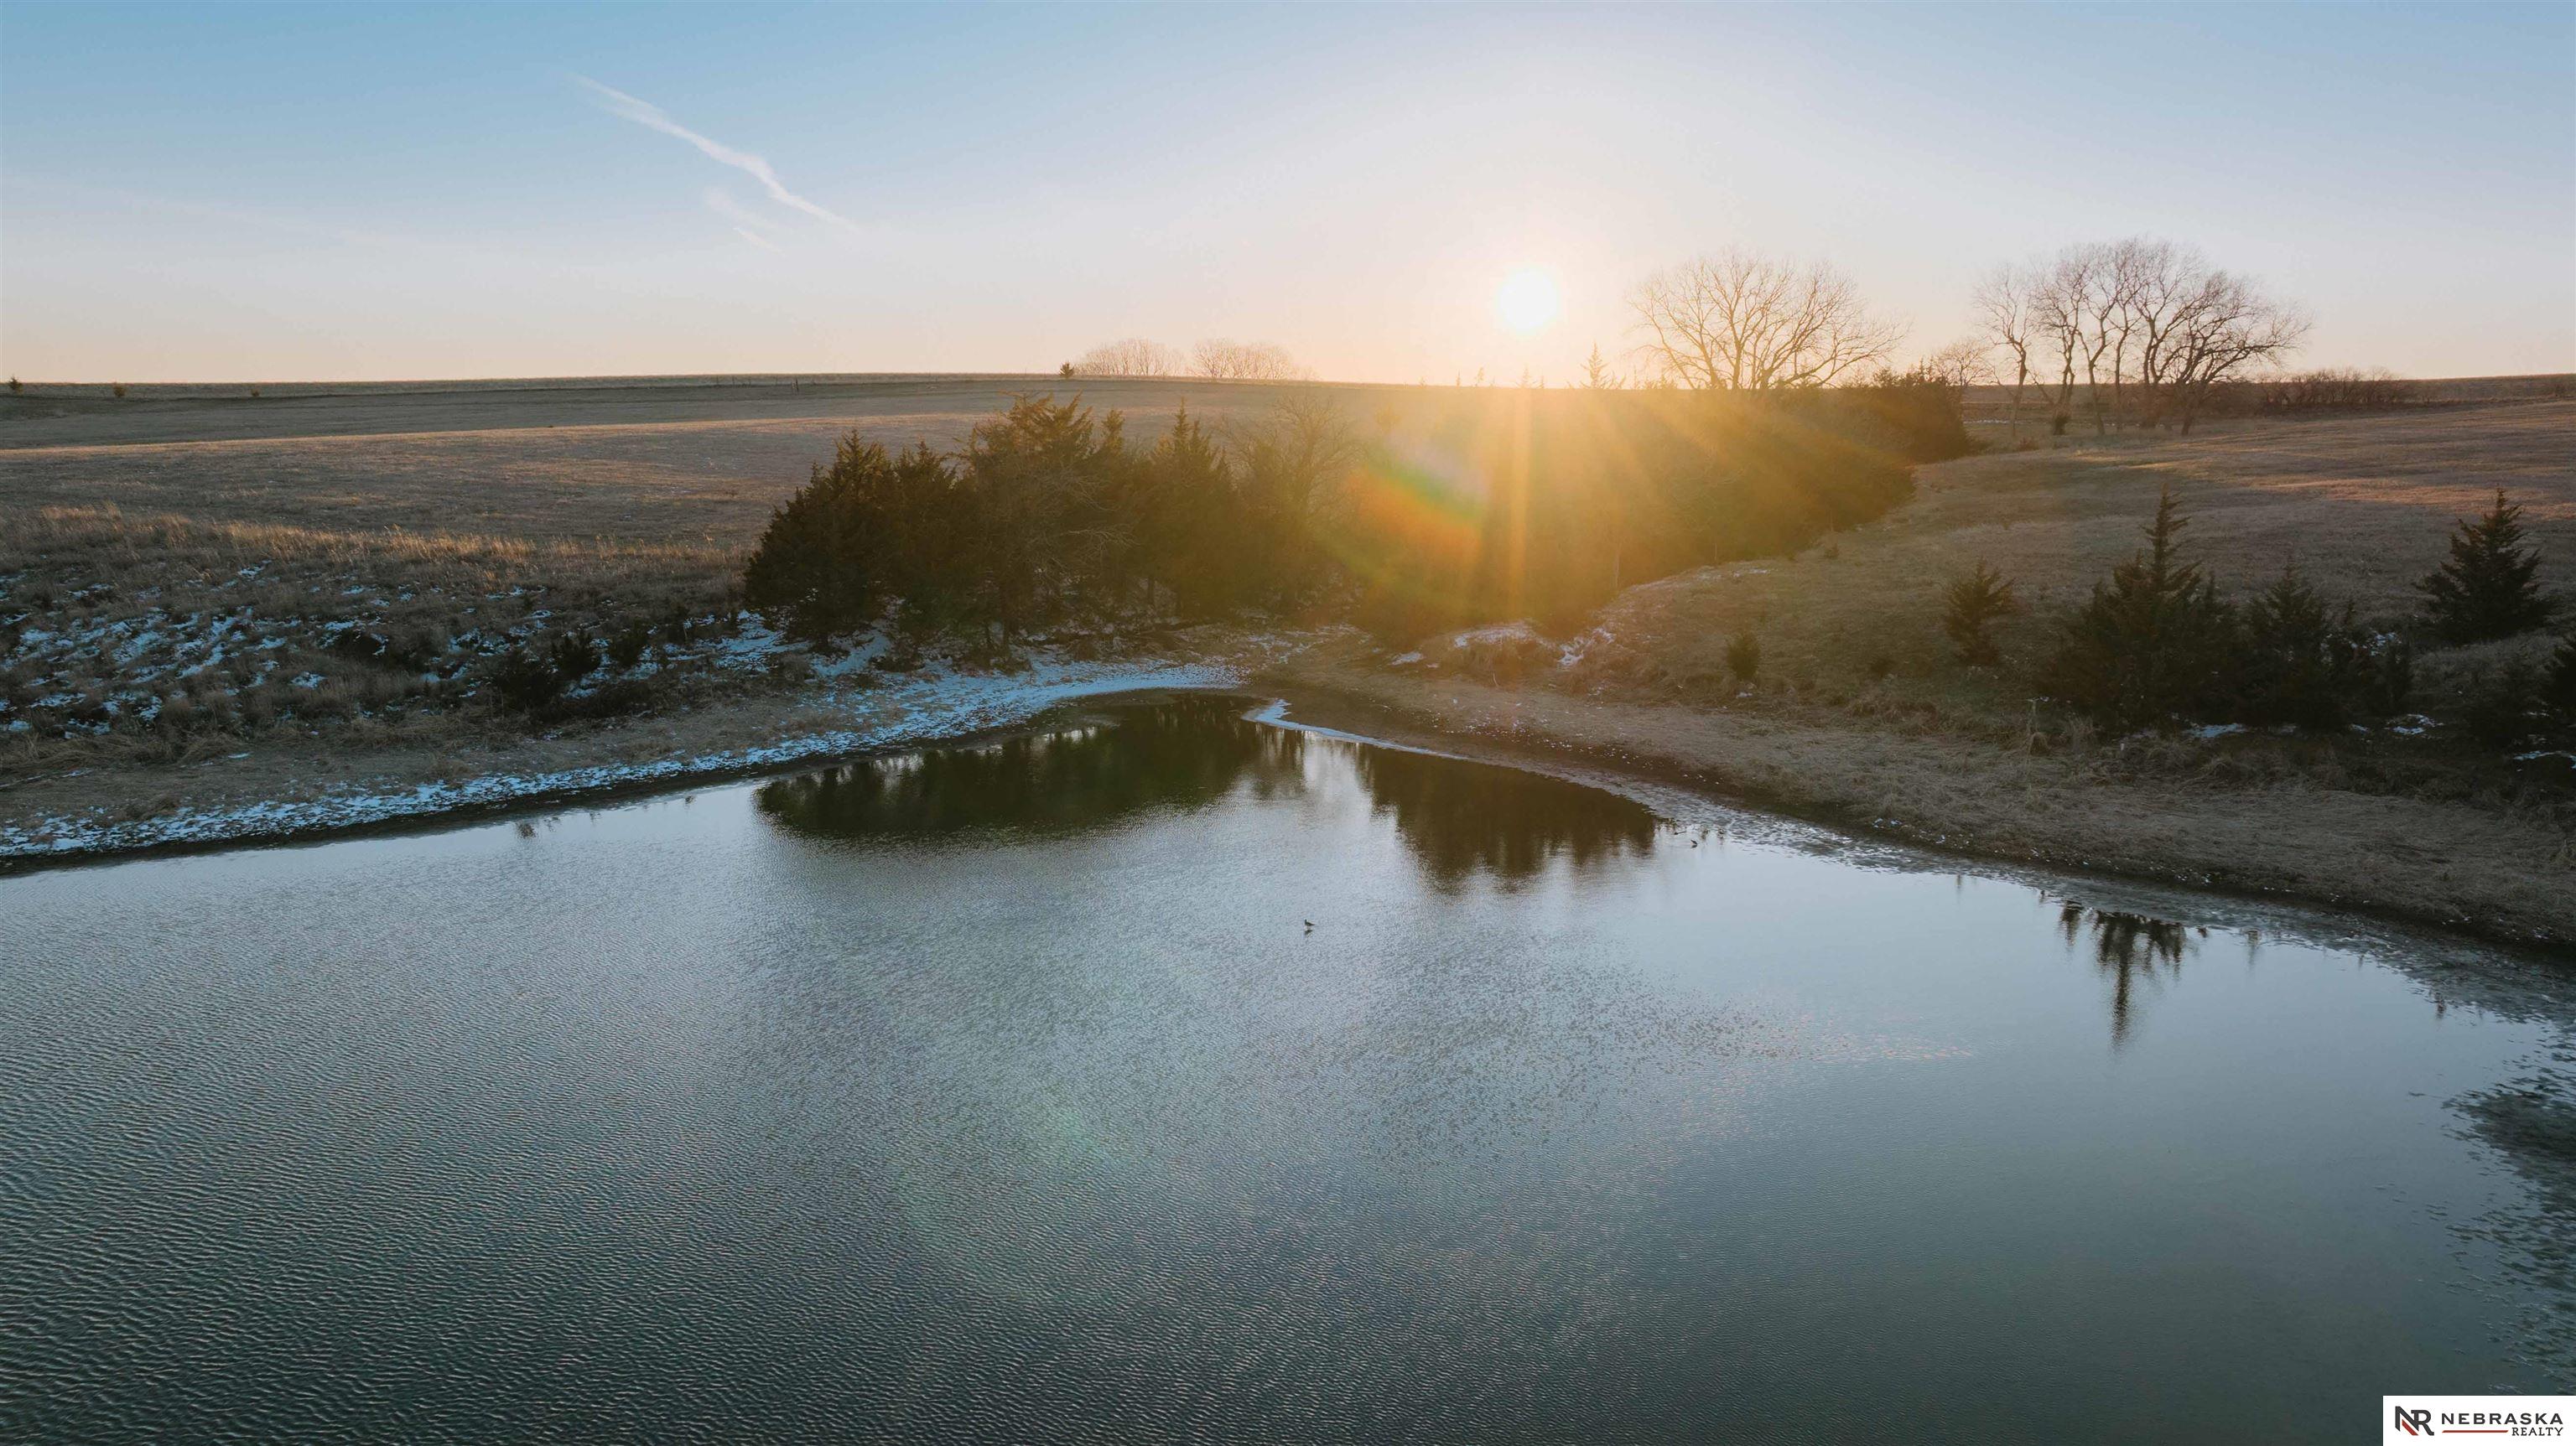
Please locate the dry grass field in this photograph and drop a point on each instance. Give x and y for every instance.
(337, 562)
(2363, 505)
(1860, 713)
(208, 598)
(307, 580)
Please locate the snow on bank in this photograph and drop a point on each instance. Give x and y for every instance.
(932, 705)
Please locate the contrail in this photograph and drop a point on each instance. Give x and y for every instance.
(645, 113)
(745, 224)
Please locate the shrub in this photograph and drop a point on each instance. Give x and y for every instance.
(2348, 389)
(357, 645)
(1744, 656)
(2486, 588)
(574, 655)
(2301, 664)
(615, 699)
(16, 386)
(626, 647)
(116, 389)
(1912, 414)
(2556, 690)
(2155, 638)
(526, 682)
(1970, 605)
(2391, 683)
(2505, 707)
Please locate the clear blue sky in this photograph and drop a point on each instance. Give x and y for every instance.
(229, 192)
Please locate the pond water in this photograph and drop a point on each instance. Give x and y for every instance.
(1005, 1092)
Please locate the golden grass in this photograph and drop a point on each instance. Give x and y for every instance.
(1862, 716)
(196, 558)
(2363, 505)
(2495, 871)
(479, 527)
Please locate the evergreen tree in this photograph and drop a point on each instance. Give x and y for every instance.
(1192, 538)
(926, 526)
(526, 681)
(2505, 706)
(814, 569)
(2303, 664)
(1970, 604)
(2154, 638)
(1036, 472)
(2392, 677)
(2559, 685)
(2487, 587)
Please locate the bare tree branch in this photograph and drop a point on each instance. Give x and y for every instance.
(1736, 321)
(1131, 357)
(1245, 361)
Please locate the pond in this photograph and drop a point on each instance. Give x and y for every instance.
(1171, 1072)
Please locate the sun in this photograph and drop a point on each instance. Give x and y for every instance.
(1527, 300)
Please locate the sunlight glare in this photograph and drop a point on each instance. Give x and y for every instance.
(1527, 300)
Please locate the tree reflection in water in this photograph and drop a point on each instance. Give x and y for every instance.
(1458, 818)
(1180, 754)
(2129, 948)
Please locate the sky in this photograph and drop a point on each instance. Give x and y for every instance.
(243, 192)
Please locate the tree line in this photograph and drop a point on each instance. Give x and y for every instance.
(1498, 505)
(2136, 332)
(2139, 331)
(1048, 514)
(1216, 359)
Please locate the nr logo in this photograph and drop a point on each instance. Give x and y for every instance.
(2414, 1421)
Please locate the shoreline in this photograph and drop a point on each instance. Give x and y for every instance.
(950, 715)
(1329, 698)
(1744, 763)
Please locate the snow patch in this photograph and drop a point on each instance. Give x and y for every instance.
(937, 703)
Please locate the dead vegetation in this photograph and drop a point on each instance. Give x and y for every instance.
(308, 610)
(1862, 709)
(203, 599)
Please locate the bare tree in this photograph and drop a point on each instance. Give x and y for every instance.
(2204, 327)
(1962, 364)
(1245, 361)
(2152, 327)
(2057, 310)
(2081, 287)
(1740, 322)
(1131, 357)
(2008, 322)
